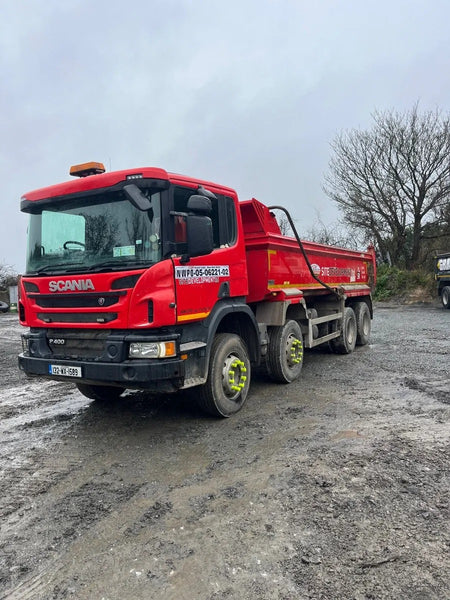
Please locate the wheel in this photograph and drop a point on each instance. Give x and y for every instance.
(345, 343)
(445, 296)
(363, 323)
(285, 352)
(4, 307)
(100, 392)
(226, 388)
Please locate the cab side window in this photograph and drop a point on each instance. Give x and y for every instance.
(230, 234)
(223, 217)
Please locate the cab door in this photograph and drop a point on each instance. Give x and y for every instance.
(202, 281)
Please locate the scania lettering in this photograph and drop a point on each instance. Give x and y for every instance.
(147, 280)
(72, 285)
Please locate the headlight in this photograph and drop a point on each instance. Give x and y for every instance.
(151, 349)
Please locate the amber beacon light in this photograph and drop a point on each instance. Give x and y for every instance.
(85, 169)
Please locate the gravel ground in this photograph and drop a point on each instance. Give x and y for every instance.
(334, 487)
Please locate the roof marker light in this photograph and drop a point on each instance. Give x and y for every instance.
(85, 169)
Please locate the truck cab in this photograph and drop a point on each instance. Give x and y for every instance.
(123, 272)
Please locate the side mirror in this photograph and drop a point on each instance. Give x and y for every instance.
(199, 235)
(200, 205)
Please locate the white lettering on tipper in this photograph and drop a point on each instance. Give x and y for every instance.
(72, 285)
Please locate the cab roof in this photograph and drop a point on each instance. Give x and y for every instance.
(105, 180)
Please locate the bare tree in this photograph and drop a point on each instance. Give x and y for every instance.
(101, 233)
(8, 276)
(334, 234)
(393, 180)
(284, 225)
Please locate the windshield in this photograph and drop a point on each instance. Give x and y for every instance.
(95, 232)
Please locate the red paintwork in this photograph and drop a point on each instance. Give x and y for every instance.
(276, 263)
(263, 265)
(94, 182)
(155, 284)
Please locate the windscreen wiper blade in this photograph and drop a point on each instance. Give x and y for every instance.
(114, 265)
(57, 266)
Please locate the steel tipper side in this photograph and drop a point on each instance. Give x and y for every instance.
(442, 276)
(139, 287)
(303, 293)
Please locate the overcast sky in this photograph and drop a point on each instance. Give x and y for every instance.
(247, 93)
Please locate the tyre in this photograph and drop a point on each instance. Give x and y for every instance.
(346, 342)
(363, 323)
(226, 388)
(4, 307)
(284, 358)
(100, 392)
(445, 296)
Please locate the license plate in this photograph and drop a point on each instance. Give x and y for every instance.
(65, 371)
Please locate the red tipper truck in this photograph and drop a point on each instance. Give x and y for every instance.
(144, 279)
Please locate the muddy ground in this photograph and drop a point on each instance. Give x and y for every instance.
(334, 487)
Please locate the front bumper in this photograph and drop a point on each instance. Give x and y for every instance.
(152, 375)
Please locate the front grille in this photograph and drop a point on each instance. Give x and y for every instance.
(96, 317)
(87, 300)
(69, 344)
(129, 281)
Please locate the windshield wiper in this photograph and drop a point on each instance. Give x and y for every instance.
(113, 265)
(57, 266)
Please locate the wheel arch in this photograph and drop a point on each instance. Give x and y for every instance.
(355, 299)
(240, 320)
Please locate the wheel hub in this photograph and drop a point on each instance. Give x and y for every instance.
(294, 351)
(234, 376)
